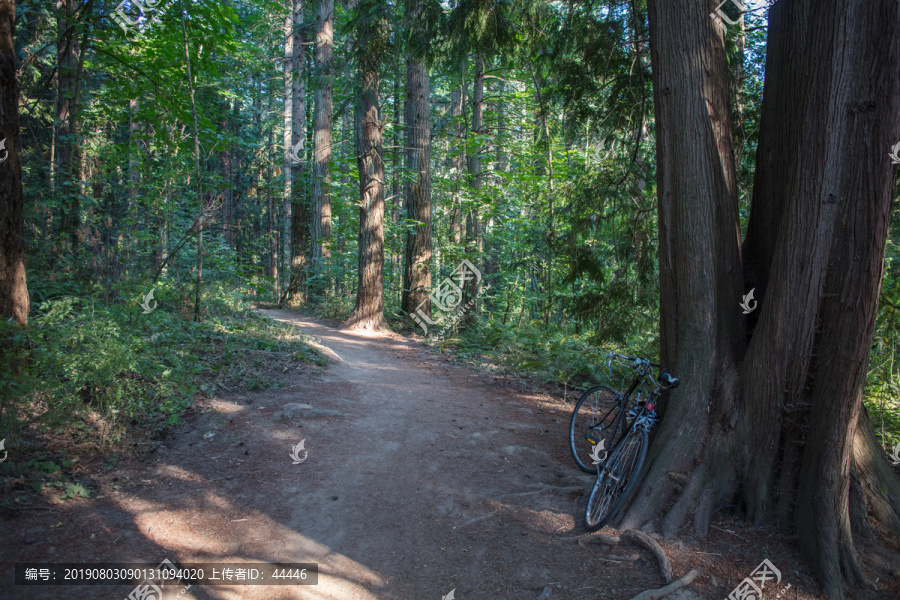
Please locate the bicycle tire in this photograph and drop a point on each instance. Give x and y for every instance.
(579, 446)
(616, 480)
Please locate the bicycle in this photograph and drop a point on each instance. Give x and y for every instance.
(600, 423)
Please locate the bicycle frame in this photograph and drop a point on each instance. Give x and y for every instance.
(644, 370)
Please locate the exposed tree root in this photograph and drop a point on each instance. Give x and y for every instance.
(609, 540)
(665, 591)
(650, 544)
(638, 537)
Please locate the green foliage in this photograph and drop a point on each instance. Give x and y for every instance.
(882, 396)
(103, 369)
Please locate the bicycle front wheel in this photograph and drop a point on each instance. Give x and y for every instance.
(616, 480)
(592, 420)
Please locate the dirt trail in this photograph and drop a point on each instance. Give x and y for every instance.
(429, 478)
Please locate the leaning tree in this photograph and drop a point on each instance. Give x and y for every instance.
(776, 402)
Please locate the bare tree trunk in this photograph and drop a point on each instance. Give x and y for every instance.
(287, 169)
(820, 265)
(273, 226)
(457, 102)
(321, 202)
(369, 310)
(201, 212)
(65, 75)
(299, 225)
(417, 273)
(700, 271)
(13, 289)
(788, 423)
(227, 175)
(473, 234)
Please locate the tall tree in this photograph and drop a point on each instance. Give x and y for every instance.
(473, 233)
(13, 290)
(322, 123)
(66, 56)
(373, 34)
(815, 246)
(287, 165)
(458, 154)
(417, 273)
(299, 225)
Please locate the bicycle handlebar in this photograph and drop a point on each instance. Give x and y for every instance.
(664, 378)
(632, 359)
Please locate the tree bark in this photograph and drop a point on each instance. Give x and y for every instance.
(321, 202)
(13, 289)
(287, 168)
(473, 233)
(201, 205)
(369, 310)
(65, 80)
(417, 274)
(457, 102)
(299, 215)
(226, 158)
(699, 264)
(783, 435)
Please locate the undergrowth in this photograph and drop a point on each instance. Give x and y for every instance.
(92, 376)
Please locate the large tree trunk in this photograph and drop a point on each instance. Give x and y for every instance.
(287, 167)
(417, 273)
(299, 216)
(369, 310)
(700, 271)
(781, 435)
(13, 291)
(321, 200)
(825, 263)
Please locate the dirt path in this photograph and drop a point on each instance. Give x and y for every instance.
(422, 477)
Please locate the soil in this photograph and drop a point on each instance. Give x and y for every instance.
(422, 477)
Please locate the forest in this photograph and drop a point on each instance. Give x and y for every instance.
(521, 185)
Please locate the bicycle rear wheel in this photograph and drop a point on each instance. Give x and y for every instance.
(594, 415)
(616, 480)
